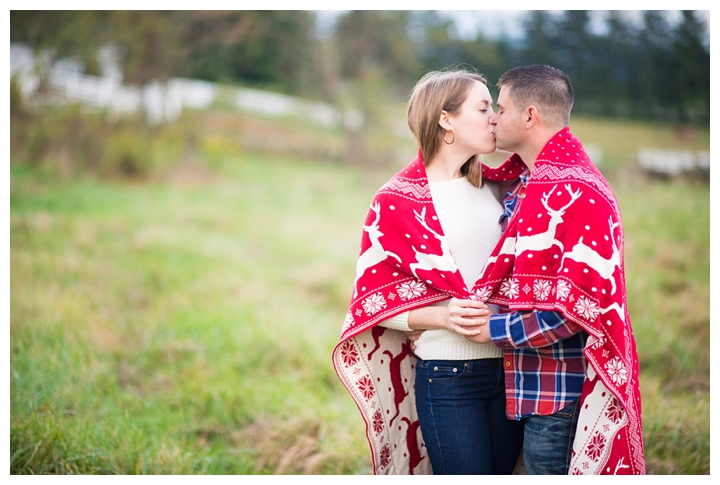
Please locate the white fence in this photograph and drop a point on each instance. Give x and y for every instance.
(166, 102)
(673, 162)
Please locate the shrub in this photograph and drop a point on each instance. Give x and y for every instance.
(69, 140)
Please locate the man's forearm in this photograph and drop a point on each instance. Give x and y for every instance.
(530, 329)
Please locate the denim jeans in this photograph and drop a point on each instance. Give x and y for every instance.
(461, 407)
(549, 440)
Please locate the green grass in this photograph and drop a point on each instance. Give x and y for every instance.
(184, 325)
(156, 327)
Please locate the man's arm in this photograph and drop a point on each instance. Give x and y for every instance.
(530, 329)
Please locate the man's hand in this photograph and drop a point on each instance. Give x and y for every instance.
(482, 337)
(413, 336)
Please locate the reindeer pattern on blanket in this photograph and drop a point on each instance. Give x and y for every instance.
(548, 259)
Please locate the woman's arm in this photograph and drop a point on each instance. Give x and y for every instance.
(461, 316)
(466, 317)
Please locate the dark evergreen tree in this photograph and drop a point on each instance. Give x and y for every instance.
(617, 57)
(578, 57)
(542, 42)
(691, 73)
(653, 61)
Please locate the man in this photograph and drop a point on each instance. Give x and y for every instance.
(557, 276)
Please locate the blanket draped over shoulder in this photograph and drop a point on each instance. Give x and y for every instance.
(562, 251)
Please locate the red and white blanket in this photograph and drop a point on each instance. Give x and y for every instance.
(562, 251)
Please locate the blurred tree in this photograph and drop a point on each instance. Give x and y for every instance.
(377, 59)
(488, 57)
(216, 37)
(257, 46)
(438, 46)
(616, 61)
(574, 40)
(271, 47)
(151, 42)
(376, 41)
(653, 64)
(436, 42)
(691, 82)
(541, 40)
(577, 55)
(647, 70)
(63, 33)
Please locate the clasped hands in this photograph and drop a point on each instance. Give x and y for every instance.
(469, 318)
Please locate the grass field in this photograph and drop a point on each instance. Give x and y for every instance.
(184, 325)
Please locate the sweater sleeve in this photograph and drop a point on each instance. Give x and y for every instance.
(398, 322)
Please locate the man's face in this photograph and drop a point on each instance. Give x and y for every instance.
(509, 129)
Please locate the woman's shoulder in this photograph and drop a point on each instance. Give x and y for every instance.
(411, 183)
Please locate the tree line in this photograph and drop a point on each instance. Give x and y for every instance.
(653, 69)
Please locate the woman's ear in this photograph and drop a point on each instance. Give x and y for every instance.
(444, 121)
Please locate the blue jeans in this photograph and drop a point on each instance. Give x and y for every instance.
(461, 407)
(549, 440)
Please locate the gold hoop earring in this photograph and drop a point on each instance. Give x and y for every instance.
(449, 142)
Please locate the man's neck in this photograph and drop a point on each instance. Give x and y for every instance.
(529, 156)
(530, 152)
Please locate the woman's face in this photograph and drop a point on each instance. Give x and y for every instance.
(471, 123)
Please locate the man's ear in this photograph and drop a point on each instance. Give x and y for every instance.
(444, 121)
(531, 116)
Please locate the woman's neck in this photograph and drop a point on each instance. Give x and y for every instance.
(445, 166)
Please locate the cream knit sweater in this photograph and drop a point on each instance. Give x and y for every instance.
(469, 218)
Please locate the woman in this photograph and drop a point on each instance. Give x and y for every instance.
(427, 236)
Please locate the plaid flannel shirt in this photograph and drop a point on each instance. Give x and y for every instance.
(542, 351)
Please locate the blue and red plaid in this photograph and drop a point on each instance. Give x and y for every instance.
(543, 360)
(542, 351)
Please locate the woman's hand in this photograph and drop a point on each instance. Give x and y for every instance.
(468, 318)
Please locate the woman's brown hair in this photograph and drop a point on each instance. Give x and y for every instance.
(434, 92)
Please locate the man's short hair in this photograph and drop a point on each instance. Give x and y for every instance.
(544, 86)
